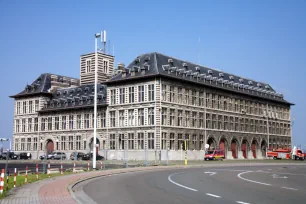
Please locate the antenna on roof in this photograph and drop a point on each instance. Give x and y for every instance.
(109, 50)
(103, 40)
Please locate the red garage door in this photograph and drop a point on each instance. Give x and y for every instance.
(254, 149)
(244, 150)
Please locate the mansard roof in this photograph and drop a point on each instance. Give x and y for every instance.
(76, 97)
(156, 64)
(43, 84)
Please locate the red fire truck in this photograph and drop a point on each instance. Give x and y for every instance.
(214, 155)
(294, 153)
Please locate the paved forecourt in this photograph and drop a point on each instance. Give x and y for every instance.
(154, 179)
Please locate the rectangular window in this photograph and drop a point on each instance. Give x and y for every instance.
(35, 124)
(121, 118)
(140, 141)
(164, 116)
(28, 144)
(219, 102)
(179, 118)
(214, 121)
(131, 140)
(16, 144)
(226, 127)
(122, 95)
(213, 101)
(121, 141)
(150, 140)
(88, 68)
(180, 95)
(78, 142)
(164, 92)
(194, 142)
(112, 118)
(141, 116)
(151, 92)
(208, 122)
(30, 106)
(23, 125)
(112, 141)
(131, 95)
(56, 125)
(171, 142)
(164, 141)
(208, 100)
(36, 105)
(86, 121)
(220, 122)
(17, 127)
(102, 119)
(43, 124)
(63, 142)
(70, 142)
(92, 116)
(201, 120)
(35, 144)
(18, 107)
(201, 99)
(172, 115)
(113, 97)
(150, 116)
(22, 144)
(171, 94)
(202, 142)
(29, 124)
(187, 121)
(79, 121)
(140, 93)
(24, 107)
(131, 119)
(49, 123)
(180, 141)
(194, 98)
(194, 119)
(187, 96)
(64, 122)
(70, 122)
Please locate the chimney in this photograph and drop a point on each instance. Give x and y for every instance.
(120, 67)
(124, 73)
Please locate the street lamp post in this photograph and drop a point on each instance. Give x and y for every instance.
(94, 152)
(7, 153)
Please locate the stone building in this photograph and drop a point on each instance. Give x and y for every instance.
(148, 109)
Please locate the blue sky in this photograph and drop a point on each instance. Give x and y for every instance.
(262, 40)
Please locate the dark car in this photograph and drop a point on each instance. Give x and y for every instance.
(89, 156)
(78, 155)
(11, 155)
(49, 156)
(25, 155)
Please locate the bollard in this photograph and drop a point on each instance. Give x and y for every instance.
(49, 169)
(7, 179)
(2, 181)
(88, 165)
(61, 168)
(37, 172)
(74, 167)
(15, 177)
(26, 175)
(101, 165)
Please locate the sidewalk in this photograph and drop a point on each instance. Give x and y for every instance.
(55, 190)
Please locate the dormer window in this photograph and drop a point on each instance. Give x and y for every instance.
(88, 65)
(147, 58)
(258, 84)
(221, 75)
(241, 80)
(250, 82)
(231, 77)
(170, 61)
(210, 72)
(137, 60)
(185, 65)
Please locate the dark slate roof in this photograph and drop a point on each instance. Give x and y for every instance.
(41, 85)
(153, 64)
(77, 97)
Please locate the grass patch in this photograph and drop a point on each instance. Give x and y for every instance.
(20, 181)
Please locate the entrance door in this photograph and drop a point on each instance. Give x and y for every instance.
(50, 146)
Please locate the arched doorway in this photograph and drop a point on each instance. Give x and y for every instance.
(91, 144)
(254, 148)
(212, 143)
(263, 148)
(49, 146)
(245, 149)
(223, 145)
(234, 148)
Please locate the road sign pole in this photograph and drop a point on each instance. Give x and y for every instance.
(185, 143)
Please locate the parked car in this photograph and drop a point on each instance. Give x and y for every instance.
(11, 155)
(49, 156)
(25, 155)
(89, 156)
(59, 155)
(77, 155)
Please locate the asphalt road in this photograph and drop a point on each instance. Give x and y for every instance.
(244, 185)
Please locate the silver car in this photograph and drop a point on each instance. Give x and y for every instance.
(59, 155)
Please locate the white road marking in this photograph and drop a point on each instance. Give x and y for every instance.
(294, 189)
(239, 176)
(216, 196)
(227, 170)
(242, 202)
(210, 173)
(277, 176)
(180, 185)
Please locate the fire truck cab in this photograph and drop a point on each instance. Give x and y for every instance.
(214, 155)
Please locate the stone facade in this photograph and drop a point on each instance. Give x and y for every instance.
(149, 118)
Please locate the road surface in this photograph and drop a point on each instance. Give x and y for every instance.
(243, 185)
